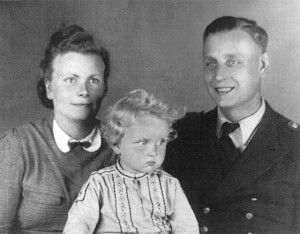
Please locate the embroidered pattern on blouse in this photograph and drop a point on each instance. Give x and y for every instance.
(82, 192)
(159, 216)
(123, 206)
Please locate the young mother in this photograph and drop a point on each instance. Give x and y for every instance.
(44, 164)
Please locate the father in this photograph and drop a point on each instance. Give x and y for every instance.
(239, 164)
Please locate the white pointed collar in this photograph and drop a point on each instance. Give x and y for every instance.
(62, 138)
(247, 125)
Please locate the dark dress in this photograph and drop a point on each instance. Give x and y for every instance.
(38, 182)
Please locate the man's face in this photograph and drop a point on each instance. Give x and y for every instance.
(233, 66)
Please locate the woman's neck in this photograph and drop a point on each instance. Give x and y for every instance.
(77, 129)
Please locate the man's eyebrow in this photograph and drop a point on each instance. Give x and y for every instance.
(209, 57)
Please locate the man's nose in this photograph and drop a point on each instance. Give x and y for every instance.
(221, 73)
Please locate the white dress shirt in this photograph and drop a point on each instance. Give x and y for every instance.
(242, 135)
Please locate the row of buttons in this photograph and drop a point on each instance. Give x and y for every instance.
(204, 229)
(206, 210)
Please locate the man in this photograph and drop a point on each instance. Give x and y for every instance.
(247, 179)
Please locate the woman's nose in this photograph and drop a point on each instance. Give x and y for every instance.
(83, 90)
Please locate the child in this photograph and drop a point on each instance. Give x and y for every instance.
(135, 195)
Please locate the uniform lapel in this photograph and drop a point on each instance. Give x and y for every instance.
(211, 170)
(259, 156)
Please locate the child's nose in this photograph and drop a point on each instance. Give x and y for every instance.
(152, 151)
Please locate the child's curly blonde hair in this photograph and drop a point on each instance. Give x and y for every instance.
(136, 104)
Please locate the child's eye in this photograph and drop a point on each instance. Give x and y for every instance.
(142, 142)
(161, 142)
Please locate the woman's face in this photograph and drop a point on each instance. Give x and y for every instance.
(77, 86)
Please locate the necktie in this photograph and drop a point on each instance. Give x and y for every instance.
(228, 152)
(73, 144)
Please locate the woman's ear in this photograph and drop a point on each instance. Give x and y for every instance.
(264, 64)
(48, 89)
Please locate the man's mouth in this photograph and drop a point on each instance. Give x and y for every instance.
(224, 90)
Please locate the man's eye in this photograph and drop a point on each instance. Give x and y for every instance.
(210, 64)
(233, 62)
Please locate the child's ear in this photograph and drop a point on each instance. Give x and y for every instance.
(116, 149)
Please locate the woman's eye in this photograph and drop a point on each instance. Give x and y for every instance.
(95, 80)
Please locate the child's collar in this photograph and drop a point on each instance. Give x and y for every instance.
(129, 174)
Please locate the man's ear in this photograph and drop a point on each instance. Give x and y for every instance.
(264, 63)
(48, 89)
(116, 149)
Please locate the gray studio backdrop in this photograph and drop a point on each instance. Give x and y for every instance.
(154, 44)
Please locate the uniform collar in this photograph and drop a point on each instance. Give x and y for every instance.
(247, 125)
(62, 139)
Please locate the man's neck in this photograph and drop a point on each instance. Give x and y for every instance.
(236, 114)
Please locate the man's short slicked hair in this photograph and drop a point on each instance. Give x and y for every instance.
(229, 23)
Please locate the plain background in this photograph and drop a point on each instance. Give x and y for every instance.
(154, 44)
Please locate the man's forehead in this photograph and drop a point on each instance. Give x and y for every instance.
(229, 43)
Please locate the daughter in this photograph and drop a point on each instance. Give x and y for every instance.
(135, 195)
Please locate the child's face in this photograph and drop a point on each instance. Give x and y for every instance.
(143, 146)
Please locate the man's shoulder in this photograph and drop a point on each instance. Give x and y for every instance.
(285, 123)
(192, 117)
(195, 120)
(287, 130)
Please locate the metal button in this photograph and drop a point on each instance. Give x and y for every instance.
(253, 199)
(204, 229)
(249, 215)
(206, 210)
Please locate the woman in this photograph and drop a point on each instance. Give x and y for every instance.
(44, 164)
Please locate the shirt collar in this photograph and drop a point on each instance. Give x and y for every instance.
(247, 125)
(128, 174)
(62, 139)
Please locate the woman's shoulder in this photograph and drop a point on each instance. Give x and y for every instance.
(29, 128)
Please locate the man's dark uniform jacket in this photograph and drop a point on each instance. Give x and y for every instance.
(261, 194)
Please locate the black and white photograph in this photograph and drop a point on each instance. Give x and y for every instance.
(150, 116)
